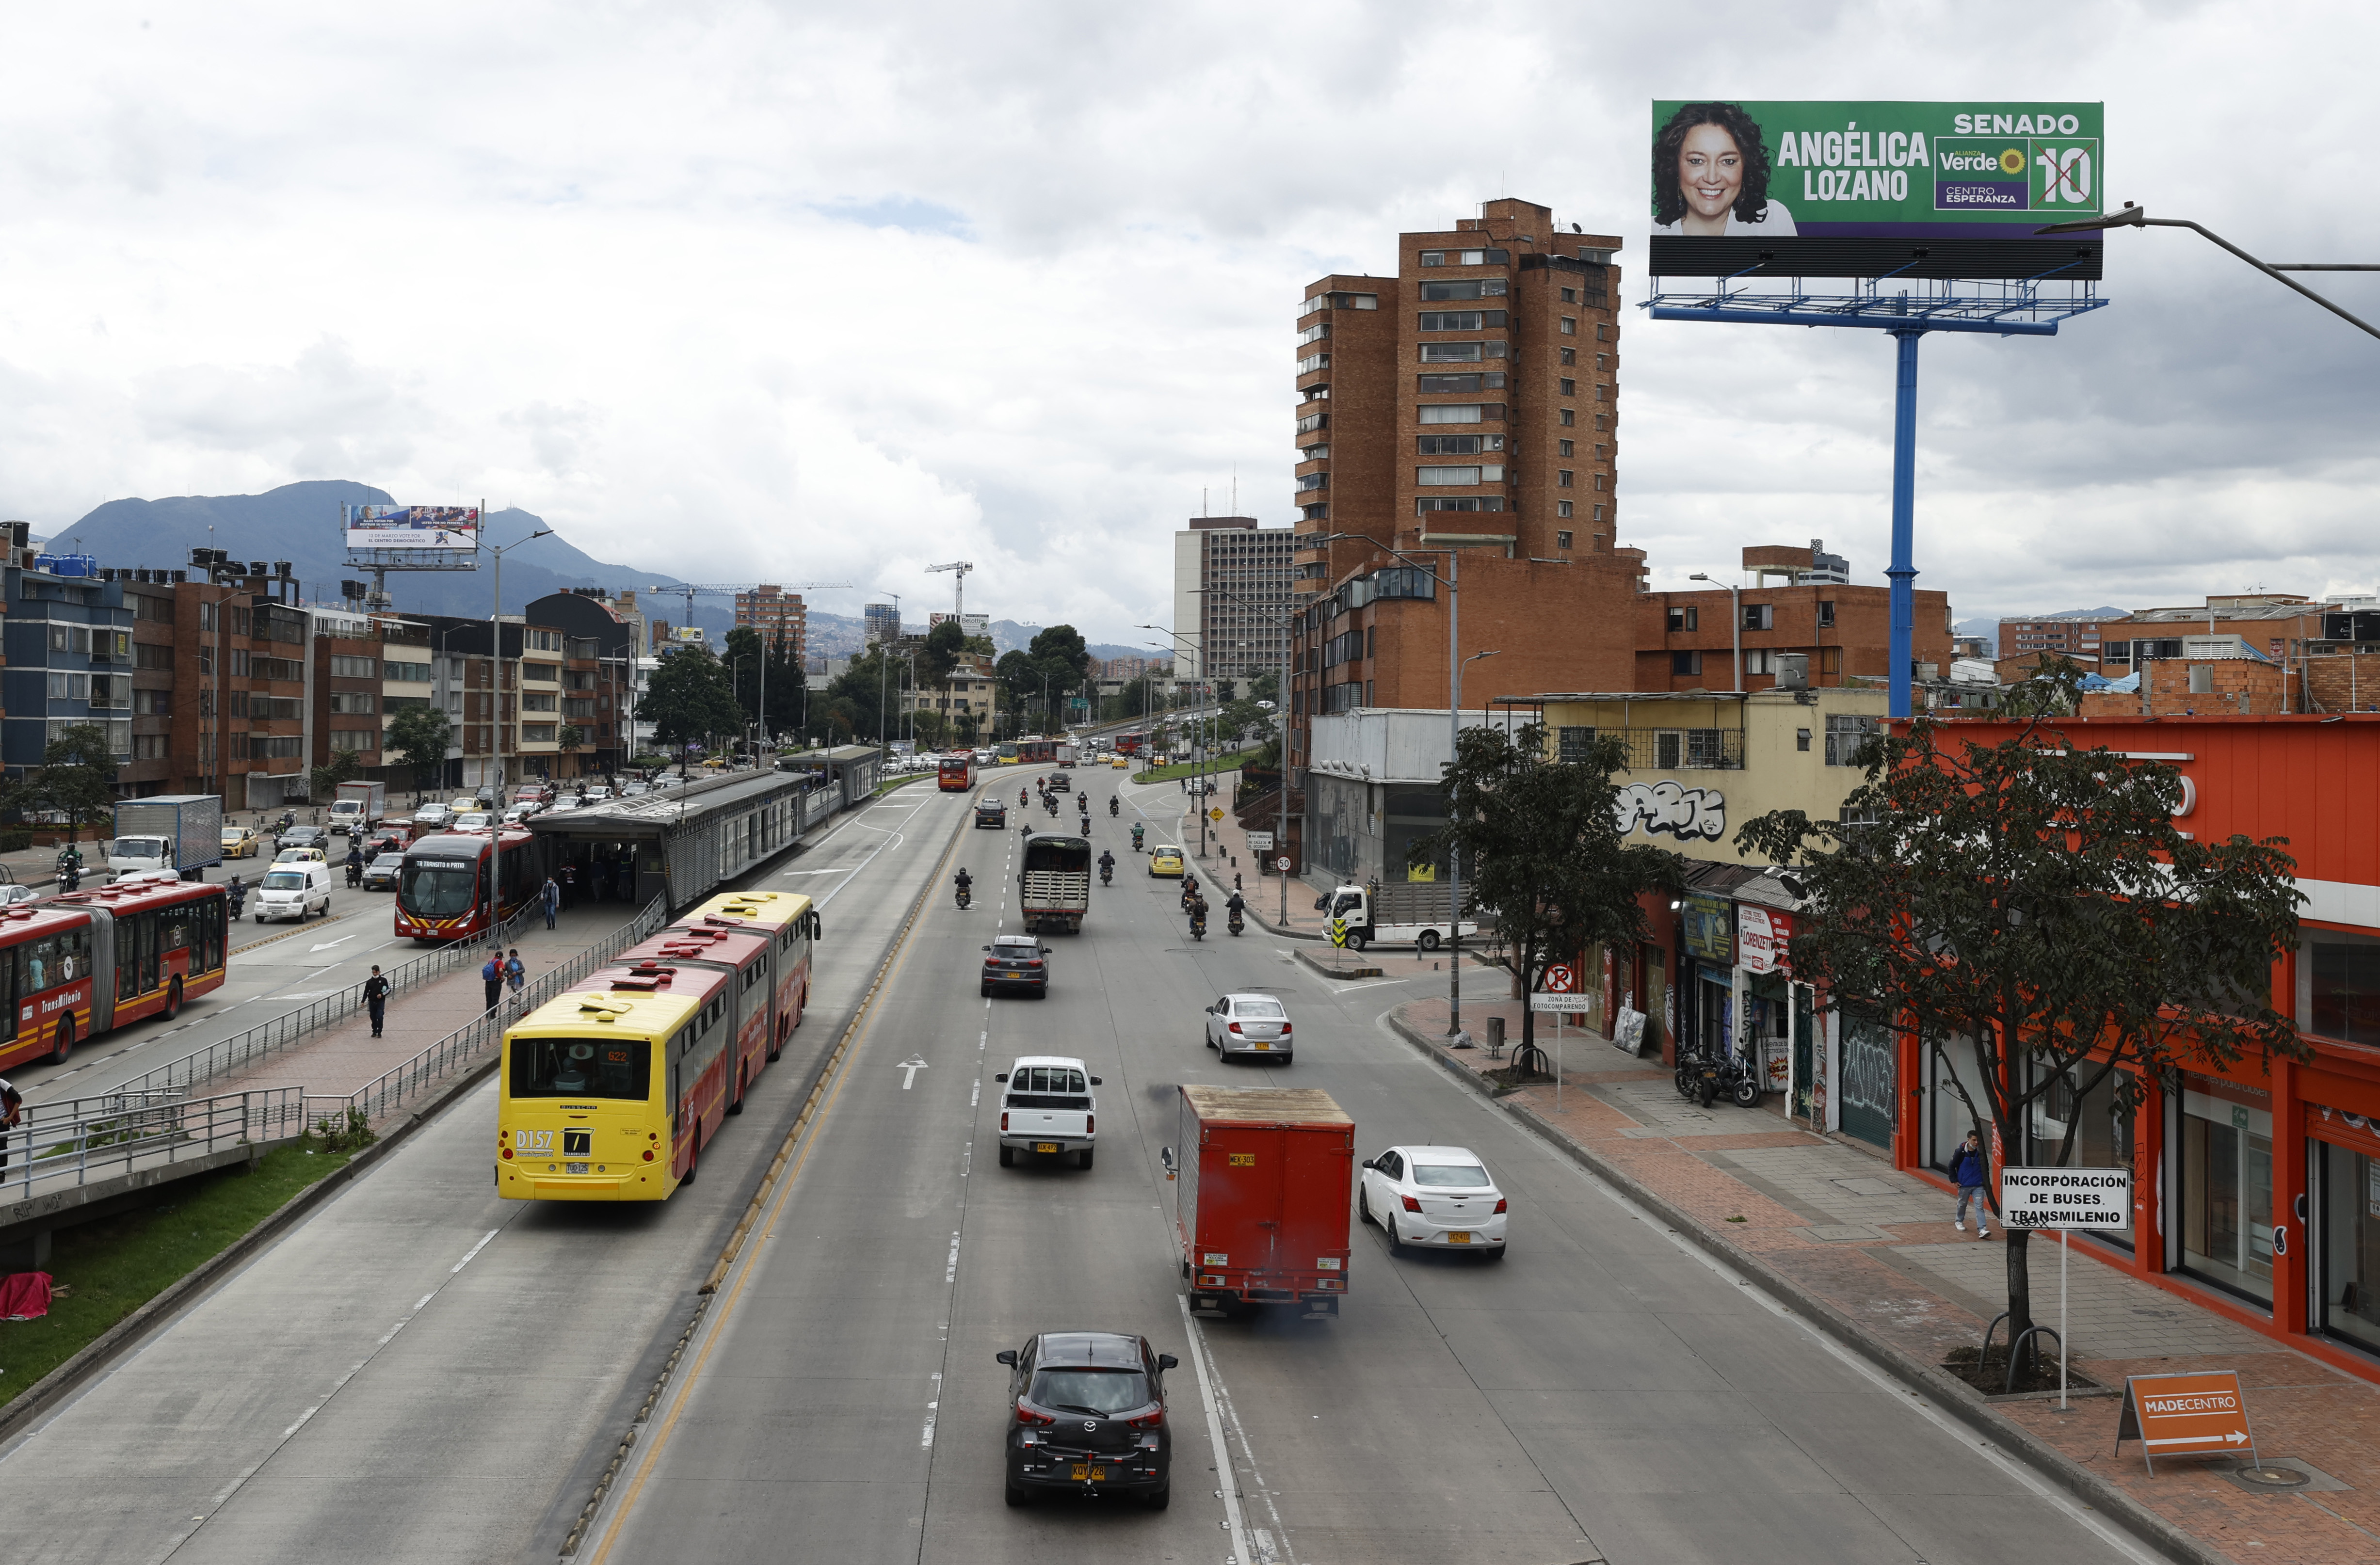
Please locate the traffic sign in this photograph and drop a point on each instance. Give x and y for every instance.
(1568, 1004)
(1338, 932)
(1261, 841)
(2185, 1414)
(1282, 864)
(1560, 979)
(2066, 1197)
(1215, 814)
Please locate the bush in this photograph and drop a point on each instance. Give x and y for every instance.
(15, 842)
(331, 1135)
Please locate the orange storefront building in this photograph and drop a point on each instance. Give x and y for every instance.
(2256, 1190)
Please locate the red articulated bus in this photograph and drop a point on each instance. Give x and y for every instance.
(442, 892)
(78, 965)
(1130, 744)
(1034, 750)
(956, 774)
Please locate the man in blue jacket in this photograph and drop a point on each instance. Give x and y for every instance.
(1968, 1169)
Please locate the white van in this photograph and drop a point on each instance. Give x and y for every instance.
(293, 890)
(1048, 1108)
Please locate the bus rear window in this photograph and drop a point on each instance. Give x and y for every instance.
(581, 1067)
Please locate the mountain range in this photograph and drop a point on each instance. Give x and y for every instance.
(299, 523)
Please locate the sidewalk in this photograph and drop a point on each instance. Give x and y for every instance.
(1877, 1246)
(1227, 853)
(347, 1058)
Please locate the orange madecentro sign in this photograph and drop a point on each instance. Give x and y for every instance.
(2185, 1416)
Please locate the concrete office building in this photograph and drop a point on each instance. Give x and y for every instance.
(882, 622)
(1231, 597)
(777, 614)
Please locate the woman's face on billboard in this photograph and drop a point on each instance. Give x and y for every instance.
(1710, 173)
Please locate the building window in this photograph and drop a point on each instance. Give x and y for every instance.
(1460, 320)
(1458, 385)
(1562, 478)
(1569, 387)
(1571, 745)
(543, 674)
(1444, 476)
(1602, 333)
(536, 734)
(1306, 481)
(1465, 288)
(1473, 503)
(538, 701)
(1685, 662)
(1460, 353)
(351, 701)
(148, 747)
(1567, 448)
(1569, 356)
(2226, 1185)
(1846, 734)
(1316, 513)
(1462, 413)
(2338, 985)
(1603, 393)
(1826, 613)
(1459, 445)
(1561, 508)
(1561, 540)
(1569, 416)
(1313, 362)
(355, 668)
(1687, 617)
(1466, 258)
(1569, 323)
(1760, 616)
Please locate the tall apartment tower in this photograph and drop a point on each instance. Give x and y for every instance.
(1470, 401)
(777, 614)
(882, 621)
(1231, 597)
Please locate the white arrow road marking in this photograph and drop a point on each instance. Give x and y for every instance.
(911, 1066)
(328, 944)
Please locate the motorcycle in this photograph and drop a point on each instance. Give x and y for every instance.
(1237, 922)
(1135, 839)
(964, 897)
(1107, 874)
(1114, 808)
(1197, 925)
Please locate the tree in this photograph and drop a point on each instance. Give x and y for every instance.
(346, 767)
(567, 738)
(420, 733)
(688, 699)
(77, 777)
(945, 644)
(1544, 847)
(2034, 899)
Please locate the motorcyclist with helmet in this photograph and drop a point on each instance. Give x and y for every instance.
(966, 883)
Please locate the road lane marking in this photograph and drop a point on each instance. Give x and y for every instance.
(1224, 1472)
(327, 945)
(910, 1069)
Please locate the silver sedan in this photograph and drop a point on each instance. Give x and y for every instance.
(1255, 1024)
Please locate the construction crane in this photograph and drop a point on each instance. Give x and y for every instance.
(962, 567)
(690, 591)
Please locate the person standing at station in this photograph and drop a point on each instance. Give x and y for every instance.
(550, 896)
(515, 973)
(376, 998)
(491, 979)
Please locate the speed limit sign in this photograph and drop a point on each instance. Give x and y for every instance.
(1282, 864)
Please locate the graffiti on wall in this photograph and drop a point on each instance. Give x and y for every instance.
(1667, 809)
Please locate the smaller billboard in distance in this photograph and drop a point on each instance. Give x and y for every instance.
(1769, 169)
(411, 527)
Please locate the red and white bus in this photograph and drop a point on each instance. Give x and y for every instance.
(443, 890)
(1131, 744)
(86, 962)
(956, 774)
(1034, 750)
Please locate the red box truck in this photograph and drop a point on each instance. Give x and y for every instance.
(1262, 1183)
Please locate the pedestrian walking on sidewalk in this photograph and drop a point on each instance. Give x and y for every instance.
(552, 897)
(376, 998)
(1968, 1166)
(515, 974)
(491, 979)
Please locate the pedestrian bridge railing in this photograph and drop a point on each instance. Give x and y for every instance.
(77, 1141)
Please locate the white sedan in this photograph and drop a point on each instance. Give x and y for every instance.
(1433, 1198)
(1250, 1024)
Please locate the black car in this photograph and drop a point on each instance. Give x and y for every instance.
(1061, 784)
(991, 812)
(303, 837)
(1087, 1417)
(1016, 961)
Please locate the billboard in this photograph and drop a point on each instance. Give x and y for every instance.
(411, 527)
(1773, 169)
(969, 625)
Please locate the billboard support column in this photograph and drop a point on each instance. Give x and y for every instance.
(1904, 573)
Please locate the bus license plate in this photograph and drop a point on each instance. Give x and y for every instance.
(1087, 1474)
(574, 1168)
(1045, 1147)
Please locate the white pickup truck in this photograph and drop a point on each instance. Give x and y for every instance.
(1418, 913)
(1047, 1107)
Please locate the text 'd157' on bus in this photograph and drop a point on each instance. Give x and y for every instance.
(442, 890)
(610, 1092)
(78, 965)
(957, 772)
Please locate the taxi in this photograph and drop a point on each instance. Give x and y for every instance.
(1163, 860)
(301, 855)
(238, 842)
(1122, 763)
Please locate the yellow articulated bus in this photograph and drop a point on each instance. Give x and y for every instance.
(610, 1092)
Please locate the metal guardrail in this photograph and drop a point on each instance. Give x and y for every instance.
(462, 1048)
(89, 1137)
(270, 1037)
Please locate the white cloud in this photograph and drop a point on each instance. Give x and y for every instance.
(815, 293)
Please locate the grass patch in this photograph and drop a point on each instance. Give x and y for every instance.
(1212, 767)
(109, 1269)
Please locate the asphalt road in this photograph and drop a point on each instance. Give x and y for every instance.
(1605, 1393)
(416, 1372)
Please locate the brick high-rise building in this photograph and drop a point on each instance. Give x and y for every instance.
(777, 614)
(1231, 597)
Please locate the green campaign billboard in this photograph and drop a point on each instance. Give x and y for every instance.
(1755, 169)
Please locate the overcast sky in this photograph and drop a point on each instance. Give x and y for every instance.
(835, 292)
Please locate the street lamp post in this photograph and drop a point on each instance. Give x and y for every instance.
(1198, 751)
(496, 706)
(1735, 618)
(2138, 217)
(1280, 837)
